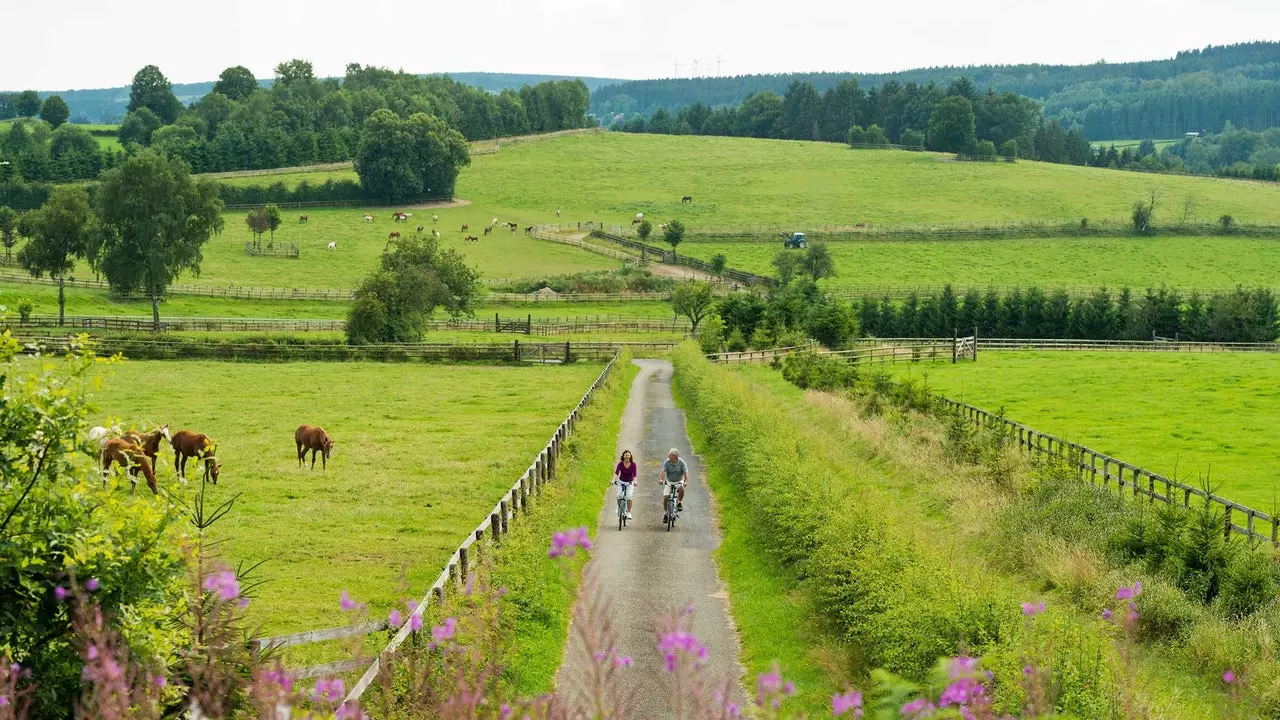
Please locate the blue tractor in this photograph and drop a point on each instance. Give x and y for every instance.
(794, 241)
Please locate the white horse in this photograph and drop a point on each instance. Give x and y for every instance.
(495, 221)
(368, 218)
(435, 218)
(333, 245)
(437, 233)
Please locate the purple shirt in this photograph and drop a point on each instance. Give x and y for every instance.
(625, 474)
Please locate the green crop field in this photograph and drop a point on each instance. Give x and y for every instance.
(421, 454)
(1185, 262)
(1177, 414)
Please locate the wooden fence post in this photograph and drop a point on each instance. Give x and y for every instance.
(496, 526)
(1227, 523)
(463, 567)
(515, 357)
(524, 494)
(567, 356)
(502, 514)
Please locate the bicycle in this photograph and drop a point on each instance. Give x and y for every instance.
(673, 505)
(622, 502)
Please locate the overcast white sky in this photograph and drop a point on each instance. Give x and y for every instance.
(72, 44)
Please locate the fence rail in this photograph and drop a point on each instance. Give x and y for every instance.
(671, 258)
(359, 202)
(900, 292)
(985, 343)
(281, 249)
(1141, 482)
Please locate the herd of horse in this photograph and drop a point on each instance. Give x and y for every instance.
(137, 452)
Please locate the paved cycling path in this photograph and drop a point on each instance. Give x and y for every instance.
(647, 572)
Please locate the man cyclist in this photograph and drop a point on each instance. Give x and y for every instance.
(674, 471)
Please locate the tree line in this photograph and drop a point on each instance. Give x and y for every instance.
(1234, 152)
(299, 119)
(959, 118)
(1198, 89)
(1240, 315)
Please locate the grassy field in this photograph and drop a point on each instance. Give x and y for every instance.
(1178, 414)
(360, 244)
(315, 177)
(416, 464)
(1204, 262)
(743, 181)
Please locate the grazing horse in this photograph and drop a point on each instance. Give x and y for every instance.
(436, 233)
(470, 238)
(400, 217)
(495, 221)
(686, 199)
(860, 225)
(188, 444)
(488, 230)
(315, 439)
(557, 212)
(513, 226)
(127, 455)
(149, 442)
(368, 218)
(528, 230)
(639, 218)
(421, 228)
(394, 235)
(303, 218)
(465, 227)
(435, 219)
(333, 245)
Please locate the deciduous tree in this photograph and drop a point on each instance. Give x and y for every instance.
(673, 234)
(138, 127)
(151, 90)
(817, 262)
(415, 278)
(59, 234)
(951, 125)
(153, 221)
(27, 104)
(54, 111)
(236, 83)
(402, 159)
(693, 299)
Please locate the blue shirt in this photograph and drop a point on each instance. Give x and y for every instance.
(676, 471)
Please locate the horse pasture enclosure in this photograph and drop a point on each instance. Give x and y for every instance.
(1185, 415)
(421, 454)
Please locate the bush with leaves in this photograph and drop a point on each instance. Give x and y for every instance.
(414, 278)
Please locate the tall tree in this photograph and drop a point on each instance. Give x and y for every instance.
(236, 83)
(27, 104)
(59, 234)
(414, 278)
(673, 234)
(294, 71)
(693, 299)
(151, 89)
(138, 126)
(153, 220)
(54, 111)
(817, 262)
(951, 125)
(9, 220)
(841, 108)
(801, 109)
(401, 159)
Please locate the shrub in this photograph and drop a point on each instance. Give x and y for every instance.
(718, 263)
(735, 342)
(1164, 613)
(711, 334)
(809, 371)
(1227, 224)
(25, 306)
(911, 139)
(1249, 583)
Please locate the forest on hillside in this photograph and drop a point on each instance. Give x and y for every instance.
(1197, 90)
(299, 119)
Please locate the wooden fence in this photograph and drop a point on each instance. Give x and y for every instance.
(1012, 344)
(883, 351)
(280, 249)
(543, 233)
(527, 325)
(1140, 482)
(513, 506)
(671, 258)
(901, 292)
(363, 202)
(228, 291)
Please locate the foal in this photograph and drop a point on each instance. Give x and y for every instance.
(315, 439)
(127, 455)
(188, 444)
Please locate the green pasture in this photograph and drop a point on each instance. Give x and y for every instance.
(317, 176)
(1188, 416)
(421, 454)
(1185, 262)
(738, 182)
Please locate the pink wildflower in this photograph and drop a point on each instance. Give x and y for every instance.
(92, 585)
(849, 702)
(415, 622)
(394, 619)
(1228, 677)
(328, 690)
(224, 584)
(1032, 609)
(60, 593)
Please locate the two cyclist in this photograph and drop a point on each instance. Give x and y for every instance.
(673, 473)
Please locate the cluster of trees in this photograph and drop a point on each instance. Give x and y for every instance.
(1241, 315)
(303, 119)
(414, 278)
(1234, 152)
(144, 226)
(958, 119)
(27, 104)
(48, 151)
(1197, 89)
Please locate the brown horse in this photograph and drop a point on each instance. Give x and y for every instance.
(303, 218)
(127, 455)
(315, 439)
(188, 444)
(149, 442)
